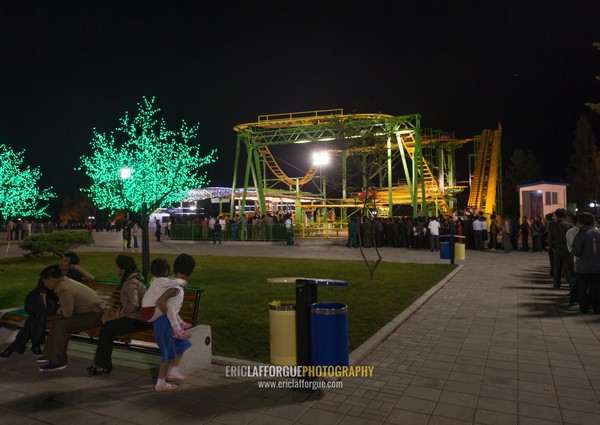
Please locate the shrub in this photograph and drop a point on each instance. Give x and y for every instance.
(55, 242)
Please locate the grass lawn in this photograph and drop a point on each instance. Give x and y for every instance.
(236, 297)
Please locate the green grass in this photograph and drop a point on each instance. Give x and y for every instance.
(236, 297)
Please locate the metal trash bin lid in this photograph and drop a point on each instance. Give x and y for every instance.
(328, 308)
(282, 305)
(322, 282)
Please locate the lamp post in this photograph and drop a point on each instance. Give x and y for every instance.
(320, 159)
(125, 173)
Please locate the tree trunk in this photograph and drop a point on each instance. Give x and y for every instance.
(145, 242)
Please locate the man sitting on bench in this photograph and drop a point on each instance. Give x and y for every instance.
(80, 308)
(41, 303)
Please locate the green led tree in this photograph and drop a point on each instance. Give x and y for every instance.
(20, 194)
(142, 166)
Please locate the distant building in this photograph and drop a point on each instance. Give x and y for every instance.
(541, 198)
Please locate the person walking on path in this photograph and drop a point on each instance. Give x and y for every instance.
(157, 232)
(217, 232)
(536, 233)
(586, 247)
(524, 227)
(493, 232)
(126, 236)
(289, 229)
(243, 223)
(506, 235)
(571, 233)
(557, 231)
(352, 233)
(434, 234)
(134, 234)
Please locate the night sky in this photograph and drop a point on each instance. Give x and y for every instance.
(67, 67)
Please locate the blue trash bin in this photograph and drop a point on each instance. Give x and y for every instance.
(445, 250)
(329, 334)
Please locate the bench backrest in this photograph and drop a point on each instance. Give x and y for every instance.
(109, 292)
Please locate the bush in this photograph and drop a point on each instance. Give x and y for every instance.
(55, 242)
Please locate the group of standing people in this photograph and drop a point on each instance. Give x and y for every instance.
(574, 249)
(18, 229)
(416, 233)
(474, 230)
(130, 231)
(63, 293)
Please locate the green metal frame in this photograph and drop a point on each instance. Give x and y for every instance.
(338, 129)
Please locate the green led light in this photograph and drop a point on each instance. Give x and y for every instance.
(143, 164)
(20, 195)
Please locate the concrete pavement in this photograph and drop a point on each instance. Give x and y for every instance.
(494, 345)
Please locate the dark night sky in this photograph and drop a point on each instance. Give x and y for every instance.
(463, 65)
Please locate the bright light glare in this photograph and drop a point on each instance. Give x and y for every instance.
(125, 173)
(592, 204)
(321, 158)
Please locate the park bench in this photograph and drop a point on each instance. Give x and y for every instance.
(139, 341)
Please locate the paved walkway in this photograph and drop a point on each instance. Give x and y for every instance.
(495, 345)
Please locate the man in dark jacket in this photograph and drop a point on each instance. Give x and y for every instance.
(586, 247)
(557, 240)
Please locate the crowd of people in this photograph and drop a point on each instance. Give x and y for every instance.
(265, 227)
(61, 292)
(572, 243)
(524, 234)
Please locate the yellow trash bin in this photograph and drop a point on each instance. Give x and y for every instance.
(282, 330)
(459, 251)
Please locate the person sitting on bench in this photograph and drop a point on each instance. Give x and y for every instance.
(129, 321)
(41, 303)
(80, 308)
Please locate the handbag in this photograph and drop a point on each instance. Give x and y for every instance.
(109, 314)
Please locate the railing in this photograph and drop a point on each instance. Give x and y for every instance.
(255, 232)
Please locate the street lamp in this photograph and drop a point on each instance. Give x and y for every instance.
(320, 159)
(125, 172)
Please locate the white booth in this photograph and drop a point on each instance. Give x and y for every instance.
(542, 198)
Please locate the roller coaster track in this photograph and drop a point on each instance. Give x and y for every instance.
(485, 178)
(266, 154)
(432, 187)
(433, 192)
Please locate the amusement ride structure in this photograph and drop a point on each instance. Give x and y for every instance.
(385, 163)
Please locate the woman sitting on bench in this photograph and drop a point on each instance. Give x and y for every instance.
(129, 321)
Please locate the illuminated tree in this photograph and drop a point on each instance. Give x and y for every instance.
(20, 194)
(142, 166)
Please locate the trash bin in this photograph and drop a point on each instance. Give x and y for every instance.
(459, 251)
(445, 250)
(329, 334)
(282, 332)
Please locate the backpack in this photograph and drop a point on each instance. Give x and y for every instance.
(217, 227)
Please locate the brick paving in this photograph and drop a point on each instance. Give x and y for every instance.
(494, 345)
